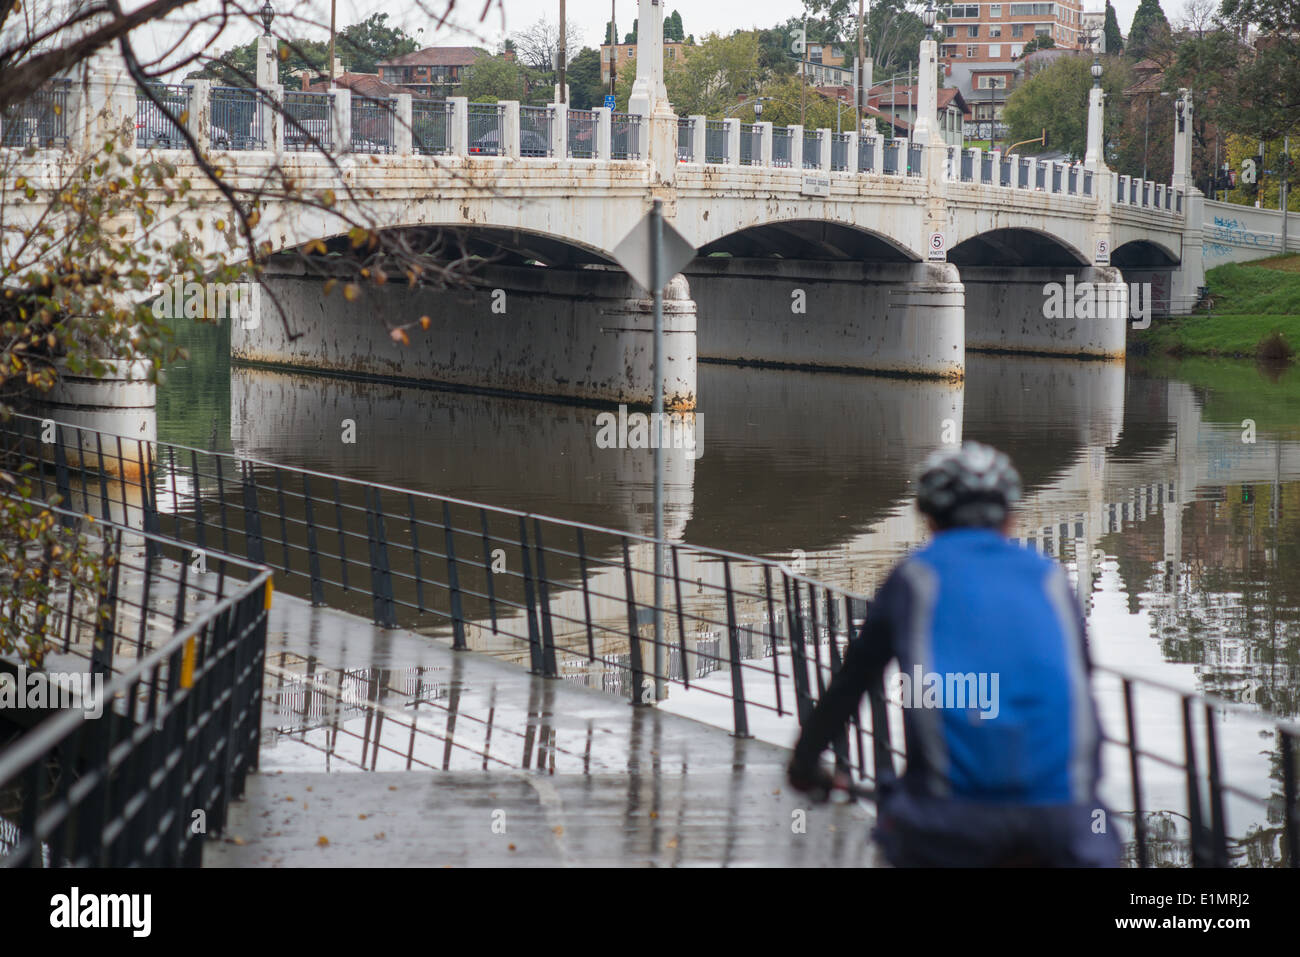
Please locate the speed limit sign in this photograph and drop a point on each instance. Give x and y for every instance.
(1103, 253)
(938, 248)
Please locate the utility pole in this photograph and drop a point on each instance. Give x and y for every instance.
(613, 49)
(803, 73)
(1286, 186)
(560, 57)
(862, 68)
(329, 67)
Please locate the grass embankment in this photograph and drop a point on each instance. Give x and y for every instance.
(1253, 311)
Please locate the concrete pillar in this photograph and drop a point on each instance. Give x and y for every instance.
(1121, 190)
(199, 122)
(731, 127)
(699, 138)
(604, 133)
(765, 144)
(402, 125)
(459, 132)
(997, 167)
(861, 317)
(926, 123)
(1182, 178)
(560, 130)
(101, 102)
(341, 114)
(649, 85)
(510, 146)
(578, 334)
(824, 150)
(1092, 157)
(796, 147)
(1189, 277)
(851, 149)
(1039, 310)
(271, 107)
(878, 154)
(268, 73)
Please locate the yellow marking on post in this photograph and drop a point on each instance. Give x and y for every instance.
(269, 589)
(187, 664)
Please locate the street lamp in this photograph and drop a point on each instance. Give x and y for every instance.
(267, 14)
(928, 17)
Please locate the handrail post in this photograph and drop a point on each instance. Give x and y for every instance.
(458, 135)
(699, 139)
(510, 145)
(402, 140)
(604, 134)
(341, 116)
(824, 150)
(560, 130)
(731, 130)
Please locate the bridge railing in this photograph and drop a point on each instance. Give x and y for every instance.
(116, 778)
(840, 151)
(309, 120)
(154, 127)
(867, 153)
(431, 126)
(747, 633)
(783, 146)
(715, 142)
(581, 128)
(237, 119)
(374, 124)
(811, 150)
(40, 121)
(751, 144)
(486, 123)
(685, 139)
(915, 157)
(536, 124)
(890, 158)
(625, 136)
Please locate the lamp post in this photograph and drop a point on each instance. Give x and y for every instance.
(267, 14)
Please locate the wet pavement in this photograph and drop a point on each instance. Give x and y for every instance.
(386, 748)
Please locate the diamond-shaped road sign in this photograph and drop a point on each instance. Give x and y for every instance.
(636, 255)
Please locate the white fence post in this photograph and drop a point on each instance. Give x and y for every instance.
(402, 125)
(459, 132)
(604, 134)
(510, 146)
(560, 130)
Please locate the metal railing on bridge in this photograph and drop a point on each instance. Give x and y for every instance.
(581, 129)
(812, 150)
(39, 121)
(155, 127)
(685, 139)
(374, 124)
(751, 144)
(237, 119)
(487, 123)
(114, 780)
(744, 631)
(431, 126)
(308, 120)
(625, 136)
(536, 126)
(715, 141)
(782, 146)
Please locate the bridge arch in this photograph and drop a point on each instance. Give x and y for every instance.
(1016, 246)
(808, 239)
(1143, 254)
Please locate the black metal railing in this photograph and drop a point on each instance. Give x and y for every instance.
(839, 151)
(747, 632)
(308, 120)
(39, 121)
(986, 168)
(890, 157)
(751, 144)
(914, 157)
(237, 120)
(685, 139)
(866, 154)
(782, 146)
(1025, 164)
(487, 122)
(431, 127)
(625, 136)
(374, 124)
(114, 779)
(812, 150)
(715, 141)
(158, 128)
(536, 125)
(581, 134)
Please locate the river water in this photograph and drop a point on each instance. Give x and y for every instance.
(1170, 492)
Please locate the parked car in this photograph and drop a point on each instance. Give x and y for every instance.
(158, 132)
(307, 133)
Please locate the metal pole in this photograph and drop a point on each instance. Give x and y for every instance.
(1146, 137)
(656, 268)
(1286, 186)
(803, 76)
(329, 67)
(559, 66)
(613, 49)
(862, 66)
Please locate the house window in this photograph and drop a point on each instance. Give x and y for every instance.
(1042, 29)
(950, 31)
(972, 52)
(973, 31)
(995, 31)
(995, 11)
(1017, 49)
(1017, 29)
(995, 51)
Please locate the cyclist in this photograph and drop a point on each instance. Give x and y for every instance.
(1002, 734)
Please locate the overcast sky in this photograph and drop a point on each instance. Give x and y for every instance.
(312, 17)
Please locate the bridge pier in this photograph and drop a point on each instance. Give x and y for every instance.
(582, 334)
(1042, 310)
(903, 318)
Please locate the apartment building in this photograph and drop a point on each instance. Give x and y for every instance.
(622, 54)
(998, 32)
(433, 71)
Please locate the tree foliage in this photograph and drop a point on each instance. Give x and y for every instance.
(1114, 40)
(1149, 26)
(1056, 99)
